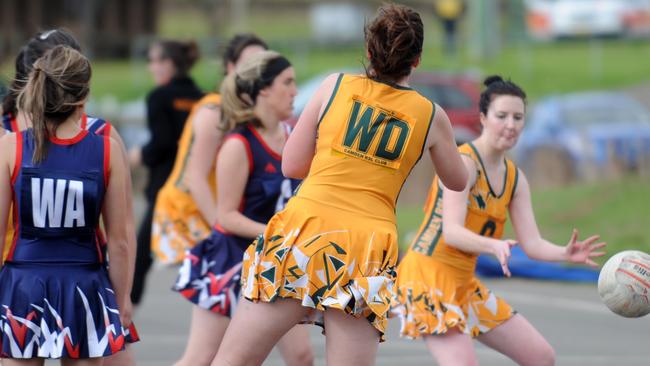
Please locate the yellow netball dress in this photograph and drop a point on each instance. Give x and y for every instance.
(177, 222)
(10, 124)
(436, 285)
(335, 244)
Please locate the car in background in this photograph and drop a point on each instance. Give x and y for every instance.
(457, 94)
(578, 135)
(552, 19)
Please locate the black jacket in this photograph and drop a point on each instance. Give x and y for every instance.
(168, 107)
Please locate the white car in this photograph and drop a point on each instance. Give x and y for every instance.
(552, 19)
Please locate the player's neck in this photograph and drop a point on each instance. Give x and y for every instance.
(69, 128)
(267, 116)
(490, 156)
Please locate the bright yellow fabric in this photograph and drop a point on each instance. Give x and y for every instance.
(9, 236)
(487, 212)
(436, 285)
(433, 297)
(335, 244)
(366, 180)
(178, 224)
(449, 9)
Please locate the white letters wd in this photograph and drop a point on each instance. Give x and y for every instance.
(47, 203)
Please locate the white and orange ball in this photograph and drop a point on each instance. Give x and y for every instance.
(624, 283)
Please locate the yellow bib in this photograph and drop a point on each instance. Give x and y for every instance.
(370, 136)
(487, 212)
(185, 144)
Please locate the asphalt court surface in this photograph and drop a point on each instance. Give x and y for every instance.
(580, 328)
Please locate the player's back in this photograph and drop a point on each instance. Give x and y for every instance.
(370, 136)
(57, 212)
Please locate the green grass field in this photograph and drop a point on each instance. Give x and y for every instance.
(542, 69)
(617, 210)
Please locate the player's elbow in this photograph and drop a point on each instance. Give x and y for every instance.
(192, 181)
(119, 249)
(457, 181)
(293, 169)
(449, 232)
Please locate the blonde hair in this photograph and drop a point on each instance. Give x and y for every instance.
(57, 85)
(239, 90)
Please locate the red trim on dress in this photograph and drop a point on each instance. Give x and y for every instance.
(98, 245)
(249, 152)
(107, 156)
(100, 239)
(84, 121)
(70, 141)
(18, 162)
(14, 124)
(266, 147)
(220, 229)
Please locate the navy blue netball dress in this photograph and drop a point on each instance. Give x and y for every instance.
(97, 126)
(9, 122)
(56, 299)
(210, 274)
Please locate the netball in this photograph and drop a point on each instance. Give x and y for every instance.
(624, 283)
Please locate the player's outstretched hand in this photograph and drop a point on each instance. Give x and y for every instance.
(582, 251)
(501, 250)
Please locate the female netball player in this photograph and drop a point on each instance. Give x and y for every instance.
(186, 206)
(440, 299)
(330, 255)
(15, 120)
(58, 300)
(256, 97)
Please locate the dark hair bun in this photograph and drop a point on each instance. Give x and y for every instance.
(394, 40)
(495, 85)
(492, 79)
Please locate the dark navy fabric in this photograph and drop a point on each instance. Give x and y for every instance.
(56, 298)
(264, 185)
(210, 274)
(6, 122)
(59, 201)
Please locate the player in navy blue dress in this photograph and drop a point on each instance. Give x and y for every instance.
(14, 120)
(250, 189)
(57, 299)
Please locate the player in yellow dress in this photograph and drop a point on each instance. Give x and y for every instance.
(186, 205)
(329, 256)
(439, 297)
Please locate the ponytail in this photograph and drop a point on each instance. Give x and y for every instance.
(57, 85)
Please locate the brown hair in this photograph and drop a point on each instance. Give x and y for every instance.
(237, 45)
(394, 40)
(57, 85)
(239, 90)
(182, 54)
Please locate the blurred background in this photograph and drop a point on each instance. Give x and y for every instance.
(583, 63)
(585, 149)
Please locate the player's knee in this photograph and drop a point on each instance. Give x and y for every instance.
(301, 357)
(459, 360)
(544, 355)
(548, 355)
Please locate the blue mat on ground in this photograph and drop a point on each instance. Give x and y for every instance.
(522, 266)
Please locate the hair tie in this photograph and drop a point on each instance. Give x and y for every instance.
(44, 36)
